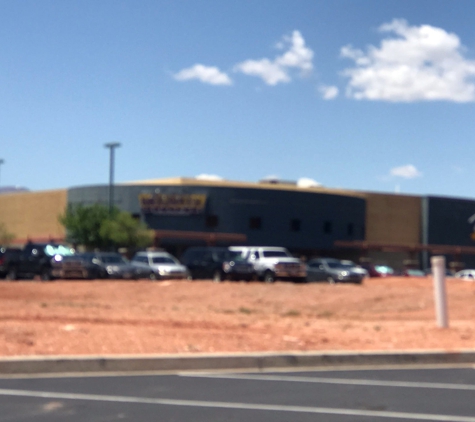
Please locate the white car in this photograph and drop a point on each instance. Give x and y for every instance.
(273, 263)
(468, 275)
(162, 265)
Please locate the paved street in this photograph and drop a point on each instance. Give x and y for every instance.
(415, 394)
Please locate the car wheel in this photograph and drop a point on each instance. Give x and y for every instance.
(331, 280)
(188, 276)
(45, 275)
(269, 277)
(217, 276)
(153, 276)
(301, 280)
(11, 274)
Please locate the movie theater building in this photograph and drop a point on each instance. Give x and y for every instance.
(387, 228)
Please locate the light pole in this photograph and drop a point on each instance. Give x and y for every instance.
(2, 161)
(111, 146)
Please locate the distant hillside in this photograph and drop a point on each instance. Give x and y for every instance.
(12, 189)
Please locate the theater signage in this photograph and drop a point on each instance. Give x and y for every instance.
(172, 204)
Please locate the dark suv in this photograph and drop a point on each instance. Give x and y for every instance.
(217, 263)
(36, 259)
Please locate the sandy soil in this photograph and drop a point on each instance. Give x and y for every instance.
(122, 317)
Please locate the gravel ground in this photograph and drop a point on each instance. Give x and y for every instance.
(144, 317)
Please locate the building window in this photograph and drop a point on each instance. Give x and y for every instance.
(350, 229)
(255, 223)
(295, 224)
(212, 221)
(327, 227)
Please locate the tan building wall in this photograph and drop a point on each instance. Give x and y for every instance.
(33, 215)
(392, 218)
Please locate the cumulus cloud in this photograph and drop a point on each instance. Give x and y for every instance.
(328, 92)
(270, 72)
(407, 172)
(273, 72)
(415, 63)
(206, 74)
(205, 176)
(305, 182)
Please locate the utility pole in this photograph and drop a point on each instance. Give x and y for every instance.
(2, 161)
(111, 146)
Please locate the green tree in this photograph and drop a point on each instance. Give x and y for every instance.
(83, 224)
(125, 231)
(94, 226)
(6, 237)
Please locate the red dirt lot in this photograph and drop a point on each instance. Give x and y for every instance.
(144, 317)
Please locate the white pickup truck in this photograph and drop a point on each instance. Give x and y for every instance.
(273, 263)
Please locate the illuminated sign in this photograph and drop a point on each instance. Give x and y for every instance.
(172, 204)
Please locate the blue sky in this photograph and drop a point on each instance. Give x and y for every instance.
(368, 95)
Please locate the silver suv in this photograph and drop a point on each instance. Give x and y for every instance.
(162, 265)
(273, 263)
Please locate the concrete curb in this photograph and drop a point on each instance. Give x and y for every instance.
(239, 361)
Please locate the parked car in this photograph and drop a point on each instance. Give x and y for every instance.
(413, 272)
(6, 255)
(218, 263)
(273, 263)
(468, 275)
(160, 265)
(355, 267)
(378, 270)
(36, 259)
(93, 265)
(333, 271)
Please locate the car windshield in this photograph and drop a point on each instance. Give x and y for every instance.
(384, 269)
(163, 260)
(113, 259)
(62, 250)
(275, 254)
(338, 264)
(234, 256)
(348, 265)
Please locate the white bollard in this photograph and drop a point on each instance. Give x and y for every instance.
(438, 272)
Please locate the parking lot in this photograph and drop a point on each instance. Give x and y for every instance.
(339, 395)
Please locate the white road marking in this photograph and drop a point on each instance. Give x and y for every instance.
(340, 381)
(239, 406)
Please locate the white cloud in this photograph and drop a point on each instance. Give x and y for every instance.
(206, 74)
(305, 182)
(205, 176)
(407, 172)
(418, 63)
(328, 92)
(272, 72)
(298, 55)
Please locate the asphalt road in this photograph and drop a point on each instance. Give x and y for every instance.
(409, 394)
